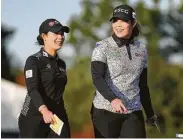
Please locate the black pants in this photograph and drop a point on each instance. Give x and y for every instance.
(34, 127)
(112, 125)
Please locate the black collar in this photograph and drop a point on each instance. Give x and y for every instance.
(122, 42)
(46, 54)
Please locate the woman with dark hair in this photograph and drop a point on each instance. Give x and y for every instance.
(119, 72)
(45, 76)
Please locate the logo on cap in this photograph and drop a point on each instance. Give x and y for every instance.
(121, 10)
(57, 22)
(51, 23)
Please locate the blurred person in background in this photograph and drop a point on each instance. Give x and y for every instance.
(45, 76)
(119, 73)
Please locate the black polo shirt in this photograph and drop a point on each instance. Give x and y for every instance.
(45, 78)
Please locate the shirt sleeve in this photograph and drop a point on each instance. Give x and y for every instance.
(99, 54)
(145, 62)
(98, 67)
(145, 94)
(32, 79)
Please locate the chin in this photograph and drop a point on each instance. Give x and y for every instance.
(58, 47)
(121, 35)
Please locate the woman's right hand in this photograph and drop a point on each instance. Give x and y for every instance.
(118, 106)
(47, 115)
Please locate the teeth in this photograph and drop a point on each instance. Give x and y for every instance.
(119, 30)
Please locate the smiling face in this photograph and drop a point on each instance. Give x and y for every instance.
(53, 40)
(122, 29)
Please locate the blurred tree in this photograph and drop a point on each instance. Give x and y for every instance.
(5, 58)
(78, 94)
(171, 31)
(165, 81)
(10, 64)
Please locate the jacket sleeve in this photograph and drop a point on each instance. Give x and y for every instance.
(144, 90)
(98, 67)
(32, 79)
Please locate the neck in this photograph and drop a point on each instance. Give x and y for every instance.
(126, 37)
(122, 41)
(50, 51)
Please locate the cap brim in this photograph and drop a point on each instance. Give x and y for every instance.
(60, 28)
(65, 29)
(123, 17)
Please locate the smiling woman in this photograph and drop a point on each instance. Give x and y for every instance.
(46, 78)
(51, 35)
(119, 72)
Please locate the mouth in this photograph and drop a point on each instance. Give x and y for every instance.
(59, 42)
(119, 30)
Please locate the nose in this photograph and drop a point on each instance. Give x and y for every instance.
(61, 35)
(120, 23)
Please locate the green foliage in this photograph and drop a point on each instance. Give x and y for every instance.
(166, 93)
(79, 93)
(85, 28)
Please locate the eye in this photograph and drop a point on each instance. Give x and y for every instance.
(114, 20)
(60, 33)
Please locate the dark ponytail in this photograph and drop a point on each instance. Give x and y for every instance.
(40, 40)
(136, 30)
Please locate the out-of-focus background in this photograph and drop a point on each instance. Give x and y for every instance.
(162, 32)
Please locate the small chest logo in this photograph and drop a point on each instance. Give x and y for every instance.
(61, 69)
(48, 66)
(138, 54)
